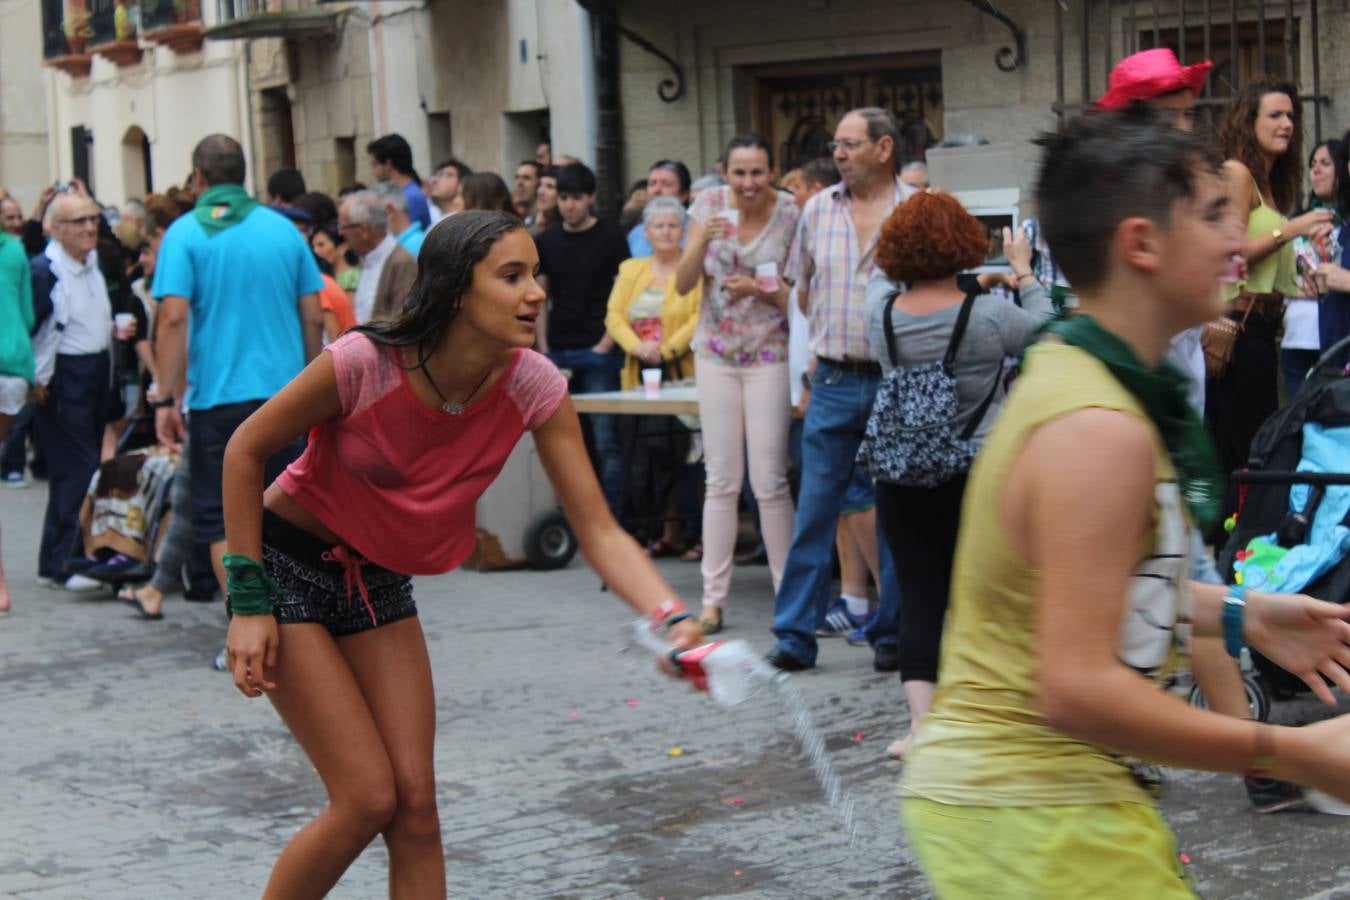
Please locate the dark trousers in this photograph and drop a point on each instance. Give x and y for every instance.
(920, 526)
(70, 427)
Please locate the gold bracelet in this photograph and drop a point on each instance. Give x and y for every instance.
(1278, 235)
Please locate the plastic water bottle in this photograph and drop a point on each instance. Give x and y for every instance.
(730, 671)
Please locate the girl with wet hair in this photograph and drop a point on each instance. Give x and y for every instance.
(409, 422)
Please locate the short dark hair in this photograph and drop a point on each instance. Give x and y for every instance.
(680, 169)
(320, 207)
(353, 188)
(820, 172)
(220, 159)
(286, 185)
(549, 172)
(576, 179)
(538, 167)
(639, 185)
(748, 139)
(461, 169)
(1103, 168)
(395, 151)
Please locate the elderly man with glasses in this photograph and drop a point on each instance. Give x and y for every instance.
(831, 262)
(73, 375)
(387, 269)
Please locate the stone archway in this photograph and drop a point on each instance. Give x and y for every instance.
(137, 178)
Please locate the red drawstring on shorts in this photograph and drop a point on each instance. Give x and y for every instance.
(351, 571)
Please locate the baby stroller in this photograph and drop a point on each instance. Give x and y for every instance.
(1292, 529)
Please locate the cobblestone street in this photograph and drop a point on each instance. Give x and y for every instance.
(131, 769)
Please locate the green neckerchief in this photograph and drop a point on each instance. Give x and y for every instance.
(223, 206)
(1163, 392)
(1316, 203)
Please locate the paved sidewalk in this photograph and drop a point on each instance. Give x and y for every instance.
(130, 769)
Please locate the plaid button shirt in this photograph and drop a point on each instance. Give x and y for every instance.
(826, 256)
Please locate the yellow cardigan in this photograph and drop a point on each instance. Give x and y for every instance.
(679, 317)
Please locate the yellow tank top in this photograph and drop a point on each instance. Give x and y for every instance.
(1277, 273)
(985, 743)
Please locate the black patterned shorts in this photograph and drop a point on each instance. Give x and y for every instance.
(320, 583)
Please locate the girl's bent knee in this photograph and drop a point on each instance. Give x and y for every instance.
(369, 810)
(416, 819)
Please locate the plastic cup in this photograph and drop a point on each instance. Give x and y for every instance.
(733, 217)
(651, 382)
(126, 325)
(766, 277)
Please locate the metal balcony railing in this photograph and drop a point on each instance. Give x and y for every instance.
(242, 19)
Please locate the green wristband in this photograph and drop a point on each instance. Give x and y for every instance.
(251, 591)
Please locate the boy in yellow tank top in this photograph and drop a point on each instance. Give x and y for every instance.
(1069, 595)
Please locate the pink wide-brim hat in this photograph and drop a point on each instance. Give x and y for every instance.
(1150, 74)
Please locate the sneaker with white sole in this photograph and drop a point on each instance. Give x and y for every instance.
(858, 636)
(83, 584)
(839, 621)
(51, 584)
(16, 480)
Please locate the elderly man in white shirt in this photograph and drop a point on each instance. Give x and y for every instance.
(387, 270)
(74, 377)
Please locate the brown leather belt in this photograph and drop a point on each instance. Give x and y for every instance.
(856, 366)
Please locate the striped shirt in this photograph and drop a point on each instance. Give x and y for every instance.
(827, 253)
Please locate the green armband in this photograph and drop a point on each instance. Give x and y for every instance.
(251, 591)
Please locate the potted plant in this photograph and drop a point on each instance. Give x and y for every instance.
(77, 29)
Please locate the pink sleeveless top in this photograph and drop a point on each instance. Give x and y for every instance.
(399, 482)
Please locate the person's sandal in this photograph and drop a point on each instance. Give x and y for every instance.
(693, 554)
(711, 620)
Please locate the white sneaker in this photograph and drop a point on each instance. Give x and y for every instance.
(16, 480)
(82, 584)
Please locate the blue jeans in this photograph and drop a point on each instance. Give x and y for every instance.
(831, 484)
(593, 373)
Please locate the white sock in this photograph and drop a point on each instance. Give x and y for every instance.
(857, 606)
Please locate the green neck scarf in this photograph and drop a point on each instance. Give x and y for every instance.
(222, 207)
(1163, 393)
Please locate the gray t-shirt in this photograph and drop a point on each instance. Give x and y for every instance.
(997, 329)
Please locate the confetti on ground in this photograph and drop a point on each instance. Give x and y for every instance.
(857, 737)
(736, 801)
(632, 703)
(573, 714)
(190, 712)
(1185, 859)
(738, 873)
(676, 751)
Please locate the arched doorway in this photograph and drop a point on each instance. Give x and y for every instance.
(136, 175)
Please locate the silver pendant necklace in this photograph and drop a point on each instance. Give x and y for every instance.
(447, 404)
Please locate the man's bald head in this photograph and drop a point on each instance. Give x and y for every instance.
(219, 159)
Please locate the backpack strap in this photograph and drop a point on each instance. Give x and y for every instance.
(888, 322)
(983, 408)
(958, 332)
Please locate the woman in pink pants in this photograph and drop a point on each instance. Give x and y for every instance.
(741, 344)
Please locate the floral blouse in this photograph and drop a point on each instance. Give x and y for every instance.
(746, 332)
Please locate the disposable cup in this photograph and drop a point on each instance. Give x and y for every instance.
(125, 322)
(766, 277)
(733, 217)
(651, 382)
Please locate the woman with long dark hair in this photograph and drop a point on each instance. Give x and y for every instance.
(409, 421)
(1308, 325)
(1261, 139)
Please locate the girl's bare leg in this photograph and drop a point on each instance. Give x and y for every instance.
(319, 700)
(392, 669)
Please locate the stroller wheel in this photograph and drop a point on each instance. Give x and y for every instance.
(1258, 696)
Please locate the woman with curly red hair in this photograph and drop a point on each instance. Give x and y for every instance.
(923, 247)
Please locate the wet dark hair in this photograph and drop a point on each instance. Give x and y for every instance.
(748, 139)
(1340, 185)
(1103, 168)
(451, 251)
(394, 150)
(320, 207)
